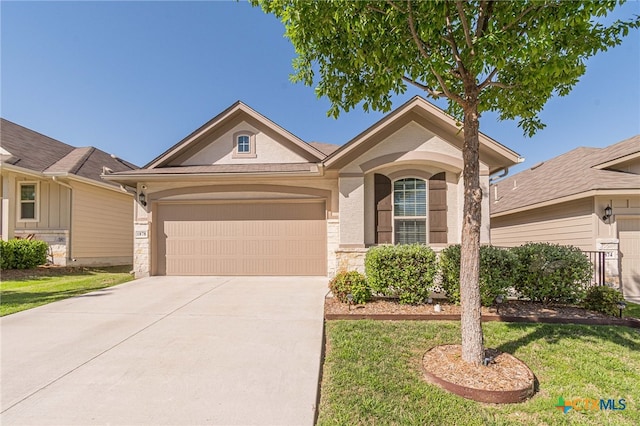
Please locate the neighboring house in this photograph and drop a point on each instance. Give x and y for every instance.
(243, 196)
(564, 200)
(54, 192)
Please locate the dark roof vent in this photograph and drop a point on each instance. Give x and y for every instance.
(535, 166)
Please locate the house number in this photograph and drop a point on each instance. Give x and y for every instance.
(141, 234)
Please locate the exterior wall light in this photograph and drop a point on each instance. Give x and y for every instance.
(142, 199)
(607, 213)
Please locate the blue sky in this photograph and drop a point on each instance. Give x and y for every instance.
(133, 78)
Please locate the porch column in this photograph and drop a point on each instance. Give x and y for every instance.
(351, 210)
(8, 209)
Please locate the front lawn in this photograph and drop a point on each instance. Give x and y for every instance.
(632, 310)
(28, 292)
(372, 374)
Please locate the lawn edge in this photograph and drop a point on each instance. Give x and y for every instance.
(627, 322)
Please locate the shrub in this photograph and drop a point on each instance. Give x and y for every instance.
(603, 299)
(23, 254)
(405, 271)
(350, 282)
(552, 273)
(496, 272)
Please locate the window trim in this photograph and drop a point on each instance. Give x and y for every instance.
(36, 202)
(393, 207)
(252, 145)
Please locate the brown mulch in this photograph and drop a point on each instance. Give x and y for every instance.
(512, 308)
(503, 373)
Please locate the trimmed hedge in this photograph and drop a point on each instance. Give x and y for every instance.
(352, 282)
(552, 273)
(603, 299)
(22, 254)
(496, 272)
(405, 271)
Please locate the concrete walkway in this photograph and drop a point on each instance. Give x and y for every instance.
(168, 350)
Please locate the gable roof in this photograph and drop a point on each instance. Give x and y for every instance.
(575, 172)
(236, 112)
(419, 110)
(32, 151)
(325, 148)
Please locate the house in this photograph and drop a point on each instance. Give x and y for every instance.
(54, 192)
(243, 196)
(588, 197)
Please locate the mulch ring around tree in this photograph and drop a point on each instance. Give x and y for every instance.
(504, 379)
(509, 311)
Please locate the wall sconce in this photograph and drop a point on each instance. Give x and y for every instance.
(142, 199)
(607, 213)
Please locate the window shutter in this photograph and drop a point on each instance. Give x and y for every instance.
(383, 209)
(438, 209)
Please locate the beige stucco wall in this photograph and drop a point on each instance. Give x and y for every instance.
(102, 226)
(566, 223)
(408, 149)
(411, 138)
(220, 150)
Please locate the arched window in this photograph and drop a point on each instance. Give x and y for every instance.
(410, 211)
(244, 145)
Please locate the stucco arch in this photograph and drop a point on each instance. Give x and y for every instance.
(442, 161)
(285, 189)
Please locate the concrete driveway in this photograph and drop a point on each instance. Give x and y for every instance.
(168, 350)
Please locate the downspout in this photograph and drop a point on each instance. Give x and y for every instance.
(505, 172)
(66, 185)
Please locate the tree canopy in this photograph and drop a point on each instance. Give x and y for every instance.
(481, 55)
(517, 53)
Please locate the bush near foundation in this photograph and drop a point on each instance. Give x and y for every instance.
(603, 299)
(552, 273)
(22, 254)
(352, 282)
(496, 272)
(404, 271)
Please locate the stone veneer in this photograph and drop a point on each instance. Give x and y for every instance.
(333, 242)
(141, 261)
(58, 240)
(611, 249)
(350, 259)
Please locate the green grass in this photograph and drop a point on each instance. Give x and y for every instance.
(632, 310)
(372, 374)
(25, 293)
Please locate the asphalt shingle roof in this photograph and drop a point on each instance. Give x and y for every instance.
(34, 151)
(571, 173)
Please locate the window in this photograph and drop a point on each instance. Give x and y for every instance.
(28, 201)
(410, 211)
(244, 145)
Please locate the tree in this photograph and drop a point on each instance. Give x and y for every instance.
(481, 55)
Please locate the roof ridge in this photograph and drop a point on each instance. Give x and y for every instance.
(89, 150)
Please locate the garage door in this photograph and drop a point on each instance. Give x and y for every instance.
(271, 238)
(629, 235)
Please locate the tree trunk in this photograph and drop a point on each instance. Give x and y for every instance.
(472, 340)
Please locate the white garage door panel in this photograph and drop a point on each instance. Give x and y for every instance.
(241, 239)
(629, 235)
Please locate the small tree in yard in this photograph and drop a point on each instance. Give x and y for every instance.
(503, 56)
